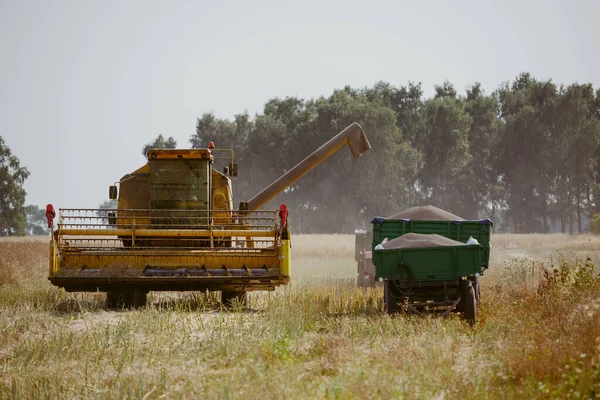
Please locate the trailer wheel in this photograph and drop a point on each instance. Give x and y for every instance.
(462, 291)
(229, 298)
(470, 305)
(389, 298)
(475, 283)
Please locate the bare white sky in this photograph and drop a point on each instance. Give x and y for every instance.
(85, 84)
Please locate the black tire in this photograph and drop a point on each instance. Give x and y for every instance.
(390, 298)
(470, 310)
(475, 283)
(112, 299)
(123, 298)
(463, 286)
(228, 299)
(126, 297)
(139, 298)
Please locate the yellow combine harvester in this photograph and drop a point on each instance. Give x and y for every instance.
(175, 229)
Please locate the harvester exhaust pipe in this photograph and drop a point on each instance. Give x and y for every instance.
(353, 135)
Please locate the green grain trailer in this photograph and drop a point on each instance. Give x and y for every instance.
(433, 278)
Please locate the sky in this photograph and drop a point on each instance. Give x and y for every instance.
(85, 84)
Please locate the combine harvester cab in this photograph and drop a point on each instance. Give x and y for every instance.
(175, 229)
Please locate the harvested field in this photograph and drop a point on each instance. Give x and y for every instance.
(320, 337)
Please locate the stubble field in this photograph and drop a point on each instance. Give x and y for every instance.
(538, 335)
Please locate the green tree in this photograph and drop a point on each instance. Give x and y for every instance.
(525, 152)
(576, 138)
(160, 143)
(37, 224)
(104, 206)
(212, 129)
(482, 191)
(232, 135)
(445, 150)
(108, 205)
(342, 193)
(407, 103)
(12, 195)
(528, 154)
(595, 224)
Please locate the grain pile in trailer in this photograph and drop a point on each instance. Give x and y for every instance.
(426, 213)
(420, 240)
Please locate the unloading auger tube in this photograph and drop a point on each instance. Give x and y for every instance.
(353, 135)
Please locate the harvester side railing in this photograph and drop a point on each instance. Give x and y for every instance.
(160, 230)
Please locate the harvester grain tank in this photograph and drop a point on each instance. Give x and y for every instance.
(175, 229)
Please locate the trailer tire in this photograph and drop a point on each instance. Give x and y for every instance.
(230, 298)
(463, 288)
(389, 299)
(470, 305)
(475, 283)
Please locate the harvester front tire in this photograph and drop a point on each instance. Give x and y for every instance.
(118, 299)
(139, 298)
(112, 299)
(228, 299)
(389, 298)
(126, 299)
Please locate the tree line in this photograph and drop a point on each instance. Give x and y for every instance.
(526, 156)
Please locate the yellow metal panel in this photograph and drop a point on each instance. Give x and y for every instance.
(286, 258)
(54, 260)
(144, 170)
(51, 266)
(134, 191)
(139, 260)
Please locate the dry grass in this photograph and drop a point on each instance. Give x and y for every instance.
(320, 337)
(555, 246)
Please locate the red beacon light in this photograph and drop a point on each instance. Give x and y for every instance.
(50, 214)
(211, 146)
(283, 214)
